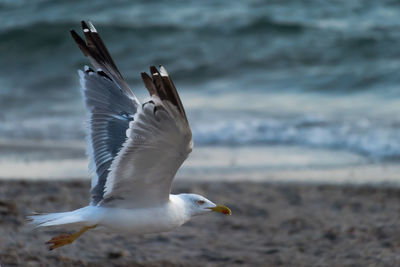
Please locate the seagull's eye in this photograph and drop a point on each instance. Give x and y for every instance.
(200, 202)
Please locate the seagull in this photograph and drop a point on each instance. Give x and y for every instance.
(134, 150)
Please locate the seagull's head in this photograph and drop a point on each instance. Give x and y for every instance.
(198, 205)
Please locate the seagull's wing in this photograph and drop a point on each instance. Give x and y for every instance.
(97, 53)
(111, 106)
(159, 141)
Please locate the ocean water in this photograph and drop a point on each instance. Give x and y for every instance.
(313, 75)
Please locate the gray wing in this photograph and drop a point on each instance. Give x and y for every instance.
(111, 105)
(159, 141)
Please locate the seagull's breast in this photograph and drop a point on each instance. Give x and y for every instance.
(162, 218)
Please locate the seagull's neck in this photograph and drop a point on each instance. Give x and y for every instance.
(180, 205)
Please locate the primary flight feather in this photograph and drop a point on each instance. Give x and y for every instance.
(134, 149)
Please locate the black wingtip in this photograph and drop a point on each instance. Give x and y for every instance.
(73, 33)
(153, 70)
(77, 38)
(148, 83)
(84, 24)
(80, 42)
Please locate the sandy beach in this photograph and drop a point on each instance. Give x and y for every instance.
(272, 225)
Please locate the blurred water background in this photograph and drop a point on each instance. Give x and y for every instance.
(271, 88)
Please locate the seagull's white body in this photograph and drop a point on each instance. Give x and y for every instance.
(163, 218)
(134, 149)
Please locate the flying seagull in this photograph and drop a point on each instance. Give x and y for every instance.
(135, 151)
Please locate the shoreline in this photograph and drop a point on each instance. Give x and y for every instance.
(274, 163)
(376, 175)
(285, 224)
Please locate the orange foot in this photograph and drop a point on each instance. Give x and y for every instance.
(65, 239)
(60, 240)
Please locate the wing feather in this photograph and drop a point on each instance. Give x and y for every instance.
(159, 141)
(111, 105)
(110, 111)
(98, 55)
(135, 150)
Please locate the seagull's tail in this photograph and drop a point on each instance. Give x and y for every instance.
(60, 218)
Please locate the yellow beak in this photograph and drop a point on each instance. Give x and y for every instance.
(222, 209)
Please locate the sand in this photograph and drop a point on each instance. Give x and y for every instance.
(272, 225)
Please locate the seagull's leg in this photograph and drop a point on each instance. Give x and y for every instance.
(65, 239)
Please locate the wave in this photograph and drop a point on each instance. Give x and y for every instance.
(195, 51)
(376, 143)
(267, 24)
